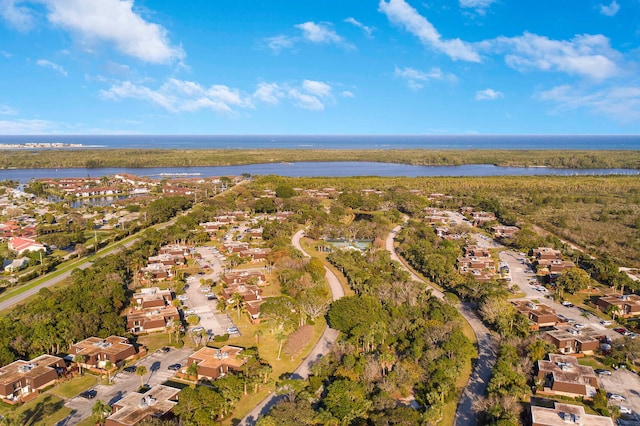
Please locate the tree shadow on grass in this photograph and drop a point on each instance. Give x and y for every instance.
(42, 409)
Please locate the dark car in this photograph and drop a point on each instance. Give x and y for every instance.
(164, 349)
(603, 372)
(130, 369)
(622, 331)
(89, 394)
(174, 367)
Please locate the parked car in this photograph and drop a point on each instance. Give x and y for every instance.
(232, 330)
(164, 349)
(579, 326)
(621, 330)
(174, 367)
(616, 397)
(567, 304)
(130, 369)
(89, 394)
(625, 410)
(605, 322)
(197, 329)
(602, 372)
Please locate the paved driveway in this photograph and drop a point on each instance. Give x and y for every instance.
(624, 383)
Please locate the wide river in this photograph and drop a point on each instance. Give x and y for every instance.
(311, 169)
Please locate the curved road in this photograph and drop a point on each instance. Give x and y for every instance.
(321, 348)
(487, 352)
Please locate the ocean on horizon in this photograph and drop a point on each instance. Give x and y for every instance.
(341, 142)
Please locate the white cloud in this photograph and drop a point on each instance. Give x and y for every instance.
(279, 42)
(347, 94)
(7, 110)
(270, 93)
(51, 65)
(611, 9)
(317, 88)
(187, 96)
(114, 21)
(18, 17)
(368, 31)
(401, 13)
(622, 103)
(488, 95)
(26, 127)
(180, 95)
(305, 101)
(480, 6)
(416, 78)
(585, 55)
(321, 33)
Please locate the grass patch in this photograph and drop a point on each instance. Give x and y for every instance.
(154, 341)
(593, 363)
(73, 387)
(45, 410)
(268, 349)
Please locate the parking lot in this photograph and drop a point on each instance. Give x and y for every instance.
(123, 382)
(626, 384)
(211, 321)
(524, 278)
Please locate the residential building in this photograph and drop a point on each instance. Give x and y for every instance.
(504, 231)
(570, 340)
(23, 378)
(98, 351)
(625, 306)
(244, 277)
(562, 375)
(133, 408)
(539, 314)
(546, 253)
(561, 413)
(152, 298)
(22, 245)
(151, 320)
(213, 363)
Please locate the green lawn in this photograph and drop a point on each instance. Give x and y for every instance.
(73, 387)
(46, 410)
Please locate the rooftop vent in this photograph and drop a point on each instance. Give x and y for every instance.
(26, 368)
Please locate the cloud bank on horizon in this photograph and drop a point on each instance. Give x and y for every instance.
(378, 66)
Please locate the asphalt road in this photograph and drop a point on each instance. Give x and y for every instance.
(321, 348)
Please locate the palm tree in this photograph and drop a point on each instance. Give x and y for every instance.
(80, 359)
(108, 366)
(257, 334)
(238, 302)
(101, 411)
(280, 337)
(192, 370)
(141, 371)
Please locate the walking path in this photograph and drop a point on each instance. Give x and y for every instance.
(321, 348)
(487, 348)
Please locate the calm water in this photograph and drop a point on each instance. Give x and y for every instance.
(600, 142)
(311, 169)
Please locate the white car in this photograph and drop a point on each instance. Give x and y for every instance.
(579, 326)
(616, 397)
(605, 322)
(183, 297)
(567, 303)
(625, 410)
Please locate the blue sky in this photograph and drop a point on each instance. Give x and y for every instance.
(319, 67)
